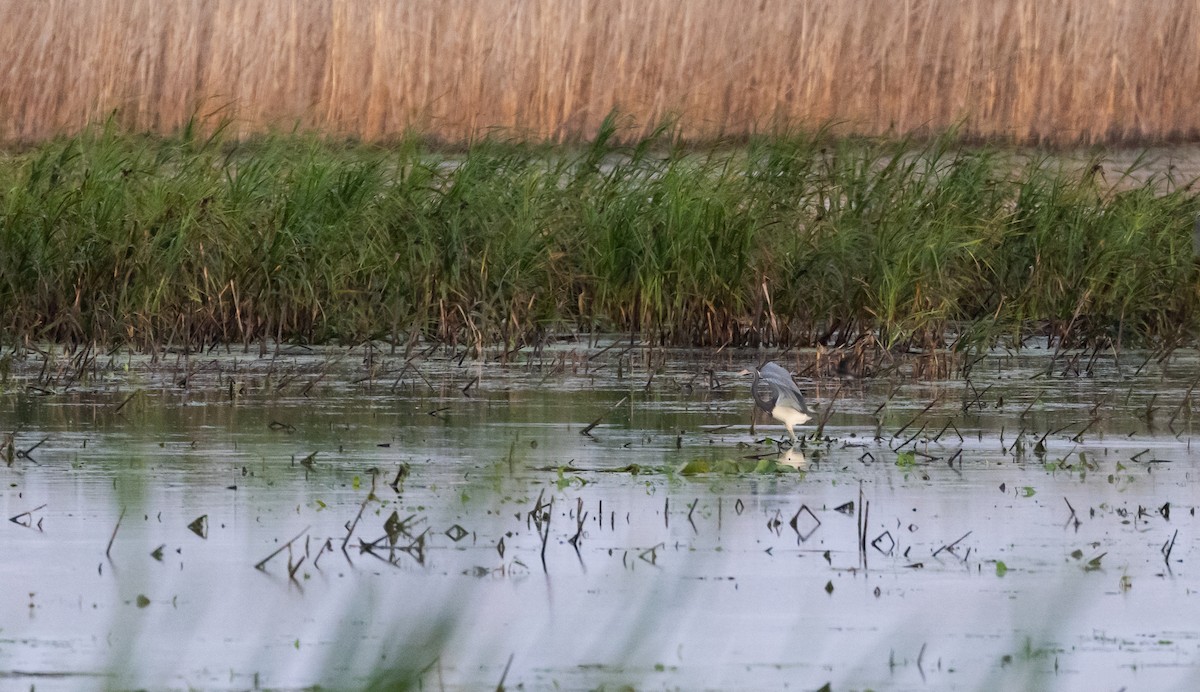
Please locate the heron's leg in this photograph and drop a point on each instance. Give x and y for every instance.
(793, 434)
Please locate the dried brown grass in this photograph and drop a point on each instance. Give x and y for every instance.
(1026, 70)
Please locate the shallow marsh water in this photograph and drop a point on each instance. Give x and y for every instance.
(986, 561)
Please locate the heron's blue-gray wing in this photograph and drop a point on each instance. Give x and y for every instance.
(784, 386)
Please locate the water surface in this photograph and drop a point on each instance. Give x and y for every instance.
(1033, 527)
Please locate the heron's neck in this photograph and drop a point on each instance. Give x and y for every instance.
(765, 403)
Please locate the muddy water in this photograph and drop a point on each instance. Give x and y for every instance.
(926, 540)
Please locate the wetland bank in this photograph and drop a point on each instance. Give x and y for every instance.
(200, 375)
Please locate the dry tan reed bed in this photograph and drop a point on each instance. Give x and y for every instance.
(1026, 70)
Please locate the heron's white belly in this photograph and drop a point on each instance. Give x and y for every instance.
(789, 416)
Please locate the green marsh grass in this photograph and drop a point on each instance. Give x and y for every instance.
(804, 239)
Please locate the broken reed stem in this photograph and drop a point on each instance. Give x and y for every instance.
(1186, 401)
(978, 396)
(361, 508)
(925, 410)
(950, 548)
(261, 566)
(27, 453)
(1169, 546)
(826, 414)
(1031, 403)
(862, 527)
(326, 547)
(1041, 443)
(914, 436)
(887, 400)
(294, 568)
(1073, 517)
(113, 537)
(1079, 436)
(580, 517)
(545, 533)
(16, 519)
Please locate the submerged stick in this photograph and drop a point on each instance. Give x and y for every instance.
(500, 685)
(593, 424)
(127, 400)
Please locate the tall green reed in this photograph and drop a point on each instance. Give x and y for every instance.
(797, 238)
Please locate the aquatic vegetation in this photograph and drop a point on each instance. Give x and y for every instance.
(734, 467)
(801, 239)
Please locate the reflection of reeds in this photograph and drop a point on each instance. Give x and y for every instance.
(1065, 71)
(797, 240)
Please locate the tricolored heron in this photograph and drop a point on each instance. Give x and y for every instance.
(785, 402)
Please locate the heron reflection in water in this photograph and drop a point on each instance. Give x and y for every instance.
(784, 400)
(793, 457)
